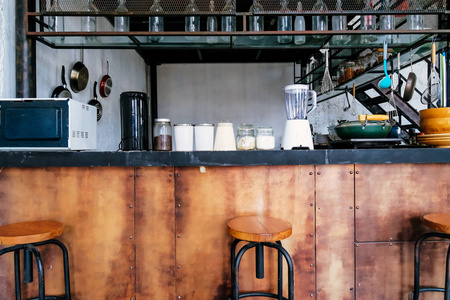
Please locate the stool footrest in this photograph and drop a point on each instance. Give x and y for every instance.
(260, 294)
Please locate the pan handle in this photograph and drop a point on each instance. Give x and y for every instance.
(63, 78)
(95, 90)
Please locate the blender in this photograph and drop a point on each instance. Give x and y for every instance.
(297, 132)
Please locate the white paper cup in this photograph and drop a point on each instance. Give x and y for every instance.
(225, 139)
(184, 137)
(204, 137)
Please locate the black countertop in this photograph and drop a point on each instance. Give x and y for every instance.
(223, 158)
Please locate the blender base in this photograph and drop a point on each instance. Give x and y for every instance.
(297, 133)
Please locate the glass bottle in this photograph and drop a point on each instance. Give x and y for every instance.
(387, 22)
(211, 24)
(256, 22)
(121, 23)
(156, 23)
(299, 25)
(89, 23)
(415, 22)
(284, 23)
(245, 139)
(339, 22)
(319, 22)
(229, 22)
(192, 22)
(55, 23)
(162, 135)
(368, 23)
(264, 138)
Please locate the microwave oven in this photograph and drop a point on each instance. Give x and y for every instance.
(47, 124)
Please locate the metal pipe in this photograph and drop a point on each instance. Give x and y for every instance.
(25, 51)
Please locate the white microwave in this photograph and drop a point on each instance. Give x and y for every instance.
(48, 124)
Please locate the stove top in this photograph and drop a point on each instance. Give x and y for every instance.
(367, 143)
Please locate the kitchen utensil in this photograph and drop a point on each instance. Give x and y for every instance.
(435, 120)
(297, 131)
(106, 83)
(96, 103)
(443, 69)
(433, 91)
(410, 82)
(441, 140)
(79, 76)
(386, 81)
(62, 91)
(364, 129)
(392, 112)
(348, 101)
(398, 82)
(327, 83)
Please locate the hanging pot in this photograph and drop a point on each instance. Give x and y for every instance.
(367, 128)
(96, 103)
(106, 83)
(62, 91)
(79, 76)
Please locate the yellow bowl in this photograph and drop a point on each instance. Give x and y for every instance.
(435, 120)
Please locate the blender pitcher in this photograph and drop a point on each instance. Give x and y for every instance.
(296, 98)
(297, 133)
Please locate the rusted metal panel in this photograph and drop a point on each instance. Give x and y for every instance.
(335, 232)
(93, 205)
(206, 199)
(385, 270)
(155, 233)
(391, 199)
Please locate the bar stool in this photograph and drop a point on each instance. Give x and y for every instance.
(27, 236)
(440, 223)
(258, 232)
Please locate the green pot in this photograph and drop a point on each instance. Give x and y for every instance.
(363, 130)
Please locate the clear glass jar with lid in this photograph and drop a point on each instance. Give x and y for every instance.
(162, 135)
(264, 138)
(245, 139)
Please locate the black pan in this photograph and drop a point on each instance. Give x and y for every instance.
(96, 103)
(62, 91)
(79, 76)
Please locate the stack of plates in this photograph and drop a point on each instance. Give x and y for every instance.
(438, 140)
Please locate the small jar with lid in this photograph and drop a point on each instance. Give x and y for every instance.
(245, 139)
(264, 138)
(162, 135)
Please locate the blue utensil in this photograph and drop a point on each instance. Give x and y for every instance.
(386, 81)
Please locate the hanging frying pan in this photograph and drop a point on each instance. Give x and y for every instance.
(106, 83)
(62, 91)
(79, 76)
(96, 103)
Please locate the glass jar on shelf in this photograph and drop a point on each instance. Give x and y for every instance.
(192, 20)
(121, 23)
(245, 139)
(156, 23)
(284, 23)
(299, 25)
(368, 23)
(162, 135)
(264, 138)
(211, 24)
(256, 22)
(229, 22)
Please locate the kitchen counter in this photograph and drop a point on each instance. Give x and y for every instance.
(224, 158)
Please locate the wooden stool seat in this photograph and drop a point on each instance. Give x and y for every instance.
(259, 229)
(30, 232)
(438, 222)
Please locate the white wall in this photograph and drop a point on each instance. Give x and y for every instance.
(7, 49)
(126, 68)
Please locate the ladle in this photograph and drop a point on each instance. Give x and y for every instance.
(386, 81)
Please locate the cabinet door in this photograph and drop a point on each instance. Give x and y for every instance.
(207, 198)
(93, 205)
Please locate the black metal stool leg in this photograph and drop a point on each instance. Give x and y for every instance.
(280, 274)
(66, 263)
(235, 272)
(447, 275)
(259, 261)
(290, 267)
(40, 269)
(17, 274)
(232, 260)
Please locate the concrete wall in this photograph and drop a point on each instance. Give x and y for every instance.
(7, 49)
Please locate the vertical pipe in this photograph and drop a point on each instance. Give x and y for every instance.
(27, 266)
(153, 99)
(25, 52)
(259, 256)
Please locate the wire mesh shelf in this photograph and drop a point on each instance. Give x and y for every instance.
(270, 6)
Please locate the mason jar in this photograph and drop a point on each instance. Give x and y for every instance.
(245, 139)
(264, 138)
(162, 135)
